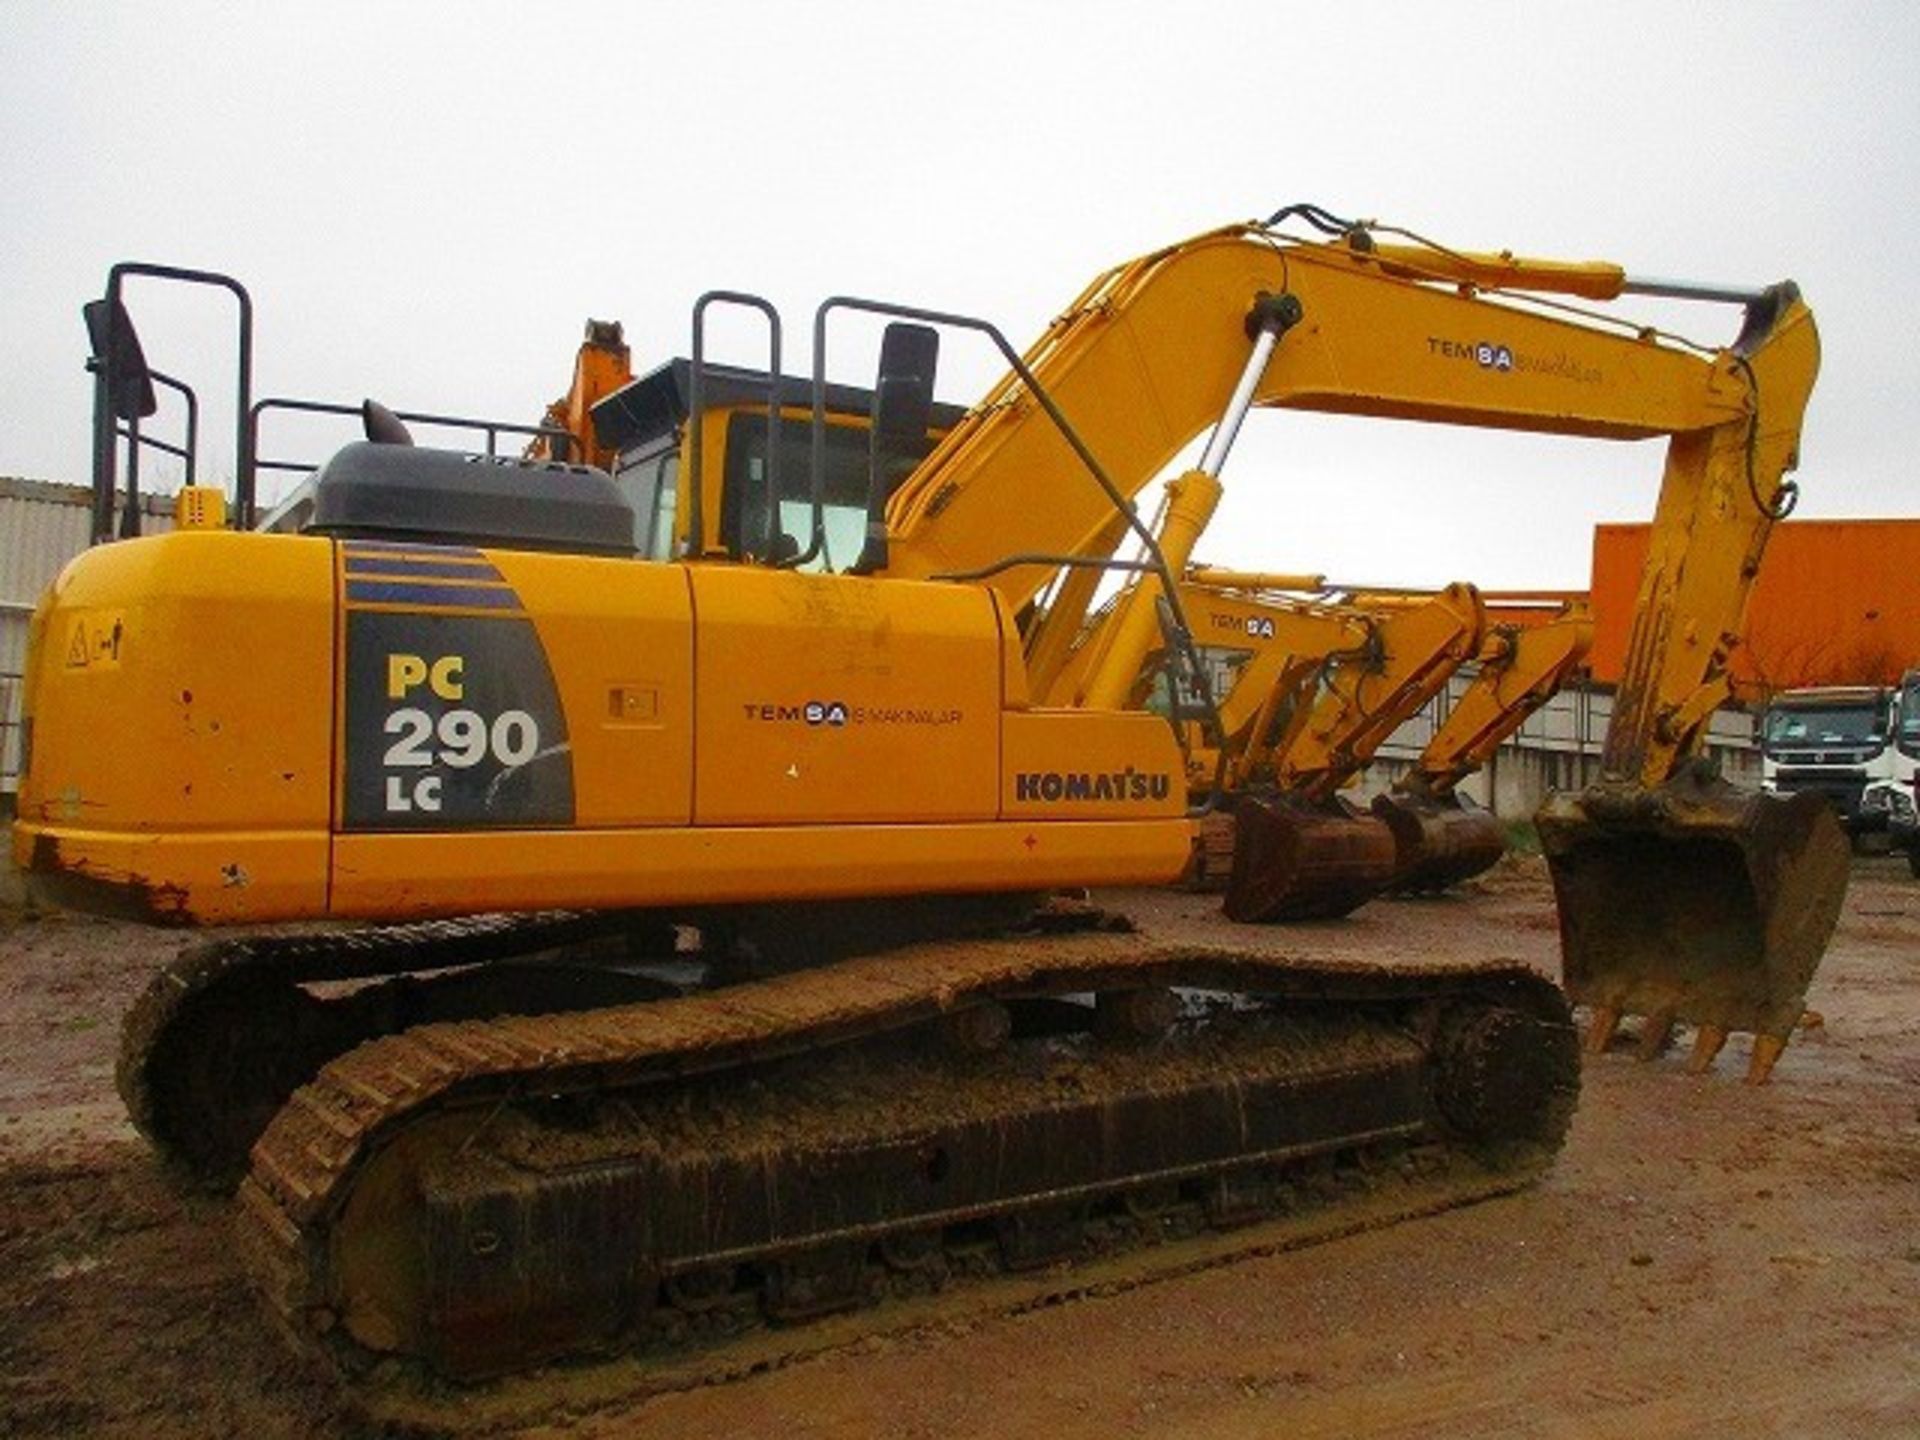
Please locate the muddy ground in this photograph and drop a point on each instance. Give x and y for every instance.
(1706, 1258)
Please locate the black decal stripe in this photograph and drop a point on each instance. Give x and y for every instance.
(423, 548)
(435, 611)
(414, 593)
(457, 568)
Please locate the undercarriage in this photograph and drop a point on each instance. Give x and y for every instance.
(729, 1154)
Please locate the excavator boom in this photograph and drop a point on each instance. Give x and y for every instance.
(1141, 360)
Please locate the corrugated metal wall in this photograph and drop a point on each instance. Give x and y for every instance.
(1558, 748)
(42, 526)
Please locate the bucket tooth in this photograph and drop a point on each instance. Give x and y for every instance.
(1655, 1032)
(1767, 1050)
(1706, 1049)
(1293, 861)
(1601, 1028)
(1694, 900)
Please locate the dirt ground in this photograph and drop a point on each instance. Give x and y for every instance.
(1706, 1258)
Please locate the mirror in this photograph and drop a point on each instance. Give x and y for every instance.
(902, 409)
(129, 382)
(903, 392)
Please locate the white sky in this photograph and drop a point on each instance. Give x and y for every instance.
(427, 201)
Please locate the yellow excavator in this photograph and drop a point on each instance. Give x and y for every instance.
(1325, 686)
(1386, 654)
(1439, 838)
(688, 823)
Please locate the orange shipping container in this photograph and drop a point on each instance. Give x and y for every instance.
(1837, 603)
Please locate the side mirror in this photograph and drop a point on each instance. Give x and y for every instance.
(902, 409)
(903, 393)
(129, 382)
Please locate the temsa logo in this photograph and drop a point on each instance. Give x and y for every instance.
(814, 712)
(1484, 353)
(1258, 626)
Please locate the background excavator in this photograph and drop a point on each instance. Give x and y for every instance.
(800, 1035)
(1309, 689)
(1296, 724)
(1439, 838)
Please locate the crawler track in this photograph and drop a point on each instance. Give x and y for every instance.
(226, 1032)
(655, 1179)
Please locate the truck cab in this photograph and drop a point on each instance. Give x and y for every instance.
(1837, 741)
(1895, 800)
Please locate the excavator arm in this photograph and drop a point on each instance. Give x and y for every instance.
(1521, 668)
(1144, 361)
(1420, 648)
(602, 365)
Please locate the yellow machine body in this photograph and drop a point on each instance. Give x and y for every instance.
(529, 1135)
(352, 729)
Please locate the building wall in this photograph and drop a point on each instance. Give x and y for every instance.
(43, 524)
(1837, 602)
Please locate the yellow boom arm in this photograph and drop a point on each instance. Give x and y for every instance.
(1145, 358)
(1521, 667)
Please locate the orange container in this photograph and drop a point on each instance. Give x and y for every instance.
(1837, 603)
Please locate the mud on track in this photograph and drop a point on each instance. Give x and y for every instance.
(1705, 1257)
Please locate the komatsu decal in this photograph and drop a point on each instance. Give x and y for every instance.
(1108, 785)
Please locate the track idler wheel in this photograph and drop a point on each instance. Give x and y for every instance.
(1694, 901)
(1506, 1077)
(212, 1080)
(1291, 862)
(1439, 843)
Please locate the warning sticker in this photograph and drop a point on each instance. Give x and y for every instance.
(95, 640)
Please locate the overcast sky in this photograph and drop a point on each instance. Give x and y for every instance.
(427, 201)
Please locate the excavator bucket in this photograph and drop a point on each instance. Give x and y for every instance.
(1438, 843)
(1292, 862)
(1694, 901)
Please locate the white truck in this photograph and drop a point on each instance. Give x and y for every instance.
(1896, 796)
(1858, 745)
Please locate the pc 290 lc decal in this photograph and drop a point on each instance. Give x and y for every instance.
(452, 722)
